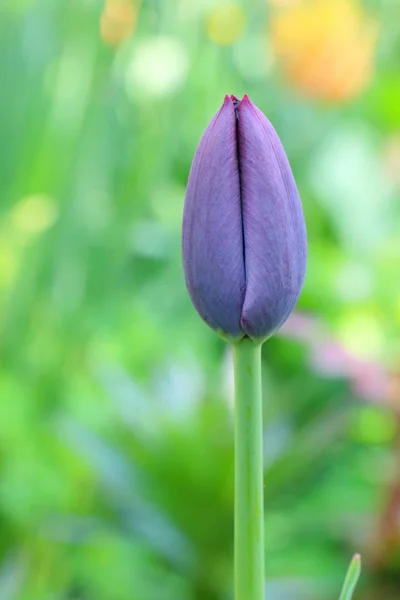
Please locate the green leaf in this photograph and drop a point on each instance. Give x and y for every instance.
(352, 575)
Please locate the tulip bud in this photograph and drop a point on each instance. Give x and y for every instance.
(244, 239)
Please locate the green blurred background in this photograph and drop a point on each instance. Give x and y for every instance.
(116, 442)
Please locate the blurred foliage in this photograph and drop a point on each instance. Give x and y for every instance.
(116, 455)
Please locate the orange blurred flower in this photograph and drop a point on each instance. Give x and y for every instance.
(325, 47)
(117, 21)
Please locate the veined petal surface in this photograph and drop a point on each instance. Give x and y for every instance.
(212, 240)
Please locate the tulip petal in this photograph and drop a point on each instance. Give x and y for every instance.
(273, 225)
(212, 241)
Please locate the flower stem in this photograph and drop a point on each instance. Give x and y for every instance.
(249, 505)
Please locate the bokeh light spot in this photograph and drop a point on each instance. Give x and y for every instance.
(34, 214)
(325, 48)
(117, 21)
(226, 23)
(8, 262)
(374, 425)
(158, 67)
(362, 334)
(354, 281)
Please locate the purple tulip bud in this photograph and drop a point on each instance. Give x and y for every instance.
(244, 239)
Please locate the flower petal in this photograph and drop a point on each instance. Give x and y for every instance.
(273, 224)
(212, 241)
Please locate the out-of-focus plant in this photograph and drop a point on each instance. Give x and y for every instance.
(351, 578)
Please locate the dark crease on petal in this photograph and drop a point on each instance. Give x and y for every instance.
(212, 227)
(273, 225)
(236, 103)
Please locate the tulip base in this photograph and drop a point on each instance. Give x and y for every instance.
(249, 504)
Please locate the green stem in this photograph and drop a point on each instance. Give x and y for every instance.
(249, 505)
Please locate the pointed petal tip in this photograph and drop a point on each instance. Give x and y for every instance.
(228, 102)
(245, 103)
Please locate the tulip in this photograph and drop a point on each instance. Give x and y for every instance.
(244, 239)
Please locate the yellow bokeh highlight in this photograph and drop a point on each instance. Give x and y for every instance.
(29, 217)
(391, 159)
(325, 48)
(283, 2)
(225, 24)
(374, 425)
(9, 260)
(117, 21)
(362, 334)
(34, 214)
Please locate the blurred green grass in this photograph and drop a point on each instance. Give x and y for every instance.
(116, 455)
